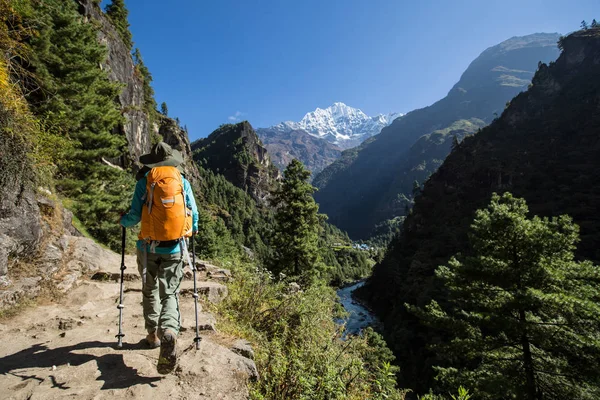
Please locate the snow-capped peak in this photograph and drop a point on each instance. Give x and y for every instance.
(340, 124)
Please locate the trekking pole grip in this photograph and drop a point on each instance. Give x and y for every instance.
(193, 251)
(123, 241)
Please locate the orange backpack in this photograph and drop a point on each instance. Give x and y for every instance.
(165, 216)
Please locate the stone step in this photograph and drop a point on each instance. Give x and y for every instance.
(212, 291)
(206, 321)
(103, 276)
(218, 277)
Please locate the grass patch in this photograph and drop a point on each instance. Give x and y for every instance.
(16, 309)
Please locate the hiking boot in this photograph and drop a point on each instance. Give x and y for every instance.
(152, 340)
(168, 354)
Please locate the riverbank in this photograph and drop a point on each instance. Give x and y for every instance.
(359, 316)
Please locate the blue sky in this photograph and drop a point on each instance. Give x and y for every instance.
(269, 61)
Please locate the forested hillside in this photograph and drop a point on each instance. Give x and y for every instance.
(543, 148)
(235, 194)
(373, 183)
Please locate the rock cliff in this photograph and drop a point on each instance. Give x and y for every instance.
(236, 152)
(315, 153)
(171, 133)
(121, 68)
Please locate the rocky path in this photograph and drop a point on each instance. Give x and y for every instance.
(68, 350)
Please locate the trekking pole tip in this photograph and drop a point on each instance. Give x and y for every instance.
(120, 337)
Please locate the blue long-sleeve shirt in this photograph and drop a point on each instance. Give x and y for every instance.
(135, 213)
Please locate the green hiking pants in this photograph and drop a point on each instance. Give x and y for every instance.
(160, 292)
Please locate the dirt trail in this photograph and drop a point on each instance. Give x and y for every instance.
(69, 349)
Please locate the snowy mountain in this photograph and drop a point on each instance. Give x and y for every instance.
(339, 124)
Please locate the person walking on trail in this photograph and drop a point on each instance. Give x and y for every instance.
(164, 204)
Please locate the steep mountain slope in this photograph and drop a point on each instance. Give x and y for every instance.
(236, 152)
(352, 188)
(423, 159)
(545, 148)
(313, 152)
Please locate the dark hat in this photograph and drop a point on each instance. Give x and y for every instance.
(162, 155)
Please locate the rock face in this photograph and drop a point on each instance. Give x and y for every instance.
(544, 148)
(352, 187)
(138, 129)
(177, 138)
(313, 152)
(236, 152)
(121, 68)
(20, 228)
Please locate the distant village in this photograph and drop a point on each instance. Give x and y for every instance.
(357, 246)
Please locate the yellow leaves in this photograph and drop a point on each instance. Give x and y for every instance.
(13, 32)
(10, 96)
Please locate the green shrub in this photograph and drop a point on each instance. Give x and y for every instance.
(300, 352)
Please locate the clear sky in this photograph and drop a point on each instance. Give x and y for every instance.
(269, 61)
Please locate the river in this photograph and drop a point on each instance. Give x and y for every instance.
(359, 317)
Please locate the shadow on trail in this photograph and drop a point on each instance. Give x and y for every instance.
(113, 370)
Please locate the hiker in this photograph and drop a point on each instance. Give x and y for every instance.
(158, 202)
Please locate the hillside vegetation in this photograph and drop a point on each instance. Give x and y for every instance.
(544, 148)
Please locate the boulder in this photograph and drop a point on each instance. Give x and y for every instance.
(213, 292)
(243, 348)
(20, 226)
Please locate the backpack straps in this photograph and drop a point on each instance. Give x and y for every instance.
(151, 197)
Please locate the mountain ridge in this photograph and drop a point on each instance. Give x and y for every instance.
(320, 137)
(339, 124)
(351, 187)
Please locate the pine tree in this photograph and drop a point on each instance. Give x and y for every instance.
(164, 110)
(416, 190)
(584, 24)
(298, 225)
(522, 314)
(146, 76)
(594, 23)
(118, 13)
(78, 100)
(455, 142)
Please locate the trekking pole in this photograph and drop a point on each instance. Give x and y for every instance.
(120, 335)
(197, 339)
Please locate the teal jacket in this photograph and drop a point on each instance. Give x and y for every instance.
(135, 213)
